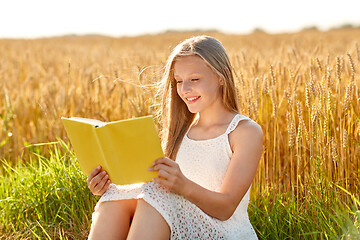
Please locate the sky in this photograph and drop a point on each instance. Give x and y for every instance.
(47, 18)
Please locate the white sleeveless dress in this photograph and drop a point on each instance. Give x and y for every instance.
(204, 162)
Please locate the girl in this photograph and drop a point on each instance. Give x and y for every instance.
(212, 153)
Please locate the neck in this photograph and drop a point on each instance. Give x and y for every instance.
(210, 118)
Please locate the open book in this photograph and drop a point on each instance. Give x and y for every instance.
(124, 149)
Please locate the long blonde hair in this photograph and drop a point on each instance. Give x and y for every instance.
(176, 118)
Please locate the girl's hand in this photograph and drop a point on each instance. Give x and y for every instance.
(98, 182)
(169, 175)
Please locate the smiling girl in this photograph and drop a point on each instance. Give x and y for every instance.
(212, 153)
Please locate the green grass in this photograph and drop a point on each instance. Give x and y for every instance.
(281, 217)
(46, 197)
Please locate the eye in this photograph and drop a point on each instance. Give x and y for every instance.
(194, 79)
(177, 82)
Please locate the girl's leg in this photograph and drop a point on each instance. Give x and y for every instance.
(148, 223)
(112, 219)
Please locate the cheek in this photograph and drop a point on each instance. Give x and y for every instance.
(179, 94)
(178, 91)
(213, 89)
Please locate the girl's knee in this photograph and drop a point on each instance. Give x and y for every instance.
(112, 218)
(149, 221)
(119, 206)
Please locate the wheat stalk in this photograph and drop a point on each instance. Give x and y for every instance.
(274, 102)
(352, 65)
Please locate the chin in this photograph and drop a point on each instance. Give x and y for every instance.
(192, 110)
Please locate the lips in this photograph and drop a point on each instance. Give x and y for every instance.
(192, 99)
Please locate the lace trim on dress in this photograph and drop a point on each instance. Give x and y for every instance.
(235, 122)
(229, 129)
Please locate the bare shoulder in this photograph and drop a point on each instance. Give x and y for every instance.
(247, 133)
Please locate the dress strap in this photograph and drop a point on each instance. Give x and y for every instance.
(232, 125)
(234, 122)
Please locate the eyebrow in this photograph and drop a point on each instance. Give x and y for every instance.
(175, 75)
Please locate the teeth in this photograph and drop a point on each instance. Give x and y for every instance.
(192, 99)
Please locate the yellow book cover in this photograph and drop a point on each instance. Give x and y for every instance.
(124, 149)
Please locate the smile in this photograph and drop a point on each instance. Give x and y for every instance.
(193, 99)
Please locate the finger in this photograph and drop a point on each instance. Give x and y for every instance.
(163, 174)
(97, 188)
(105, 188)
(95, 180)
(166, 161)
(164, 167)
(161, 182)
(94, 173)
(102, 183)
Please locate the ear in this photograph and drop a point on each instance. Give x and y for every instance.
(221, 81)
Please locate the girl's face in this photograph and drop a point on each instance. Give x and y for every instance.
(197, 84)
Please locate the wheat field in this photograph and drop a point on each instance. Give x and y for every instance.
(302, 88)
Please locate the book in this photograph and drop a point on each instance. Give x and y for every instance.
(124, 149)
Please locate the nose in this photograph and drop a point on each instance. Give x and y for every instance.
(185, 87)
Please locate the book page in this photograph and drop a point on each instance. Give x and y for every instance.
(130, 147)
(85, 143)
(93, 122)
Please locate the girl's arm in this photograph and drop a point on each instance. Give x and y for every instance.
(247, 144)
